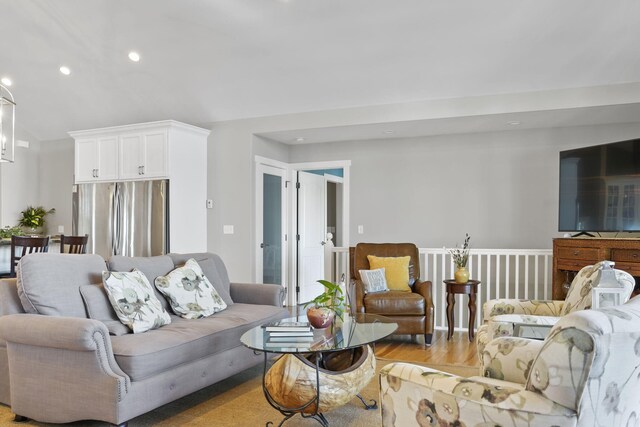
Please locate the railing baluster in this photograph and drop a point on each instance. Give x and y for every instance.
(482, 264)
(526, 274)
(537, 273)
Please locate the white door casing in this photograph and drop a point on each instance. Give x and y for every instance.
(312, 234)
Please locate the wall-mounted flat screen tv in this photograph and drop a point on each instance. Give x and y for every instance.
(600, 188)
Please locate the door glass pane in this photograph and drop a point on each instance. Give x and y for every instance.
(272, 229)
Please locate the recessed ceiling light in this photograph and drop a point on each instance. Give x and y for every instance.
(134, 56)
(389, 132)
(514, 123)
(6, 81)
(299, 139)
(65, 70)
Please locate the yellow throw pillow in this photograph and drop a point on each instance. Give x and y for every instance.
(396, 271)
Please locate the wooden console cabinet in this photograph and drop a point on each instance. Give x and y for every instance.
(571, 254)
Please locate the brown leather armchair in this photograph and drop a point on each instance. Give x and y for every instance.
(412, 311)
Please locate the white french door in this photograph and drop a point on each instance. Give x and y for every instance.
(312, 234)
(270, 225)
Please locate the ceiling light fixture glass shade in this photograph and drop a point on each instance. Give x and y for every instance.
(7, 124)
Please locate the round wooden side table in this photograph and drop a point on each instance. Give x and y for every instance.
(470, 288)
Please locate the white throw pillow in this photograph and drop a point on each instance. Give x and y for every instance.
(189, 292)
(374, 281)
(134, 301)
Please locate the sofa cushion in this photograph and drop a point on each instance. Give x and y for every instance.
(213, 267)
(152, 267)
(394, 303)
(98, 306)
(184, 341)
(134, 301)
(49, 283)
(189, 292)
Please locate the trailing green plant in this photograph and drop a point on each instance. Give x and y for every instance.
(332, 298)
(7, 232)
(33, 217)
(460, 256)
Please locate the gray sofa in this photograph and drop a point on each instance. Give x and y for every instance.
(60, 360)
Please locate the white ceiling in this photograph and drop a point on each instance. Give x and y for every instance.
(205, 61)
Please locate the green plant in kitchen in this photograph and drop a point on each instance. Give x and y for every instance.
(7, 232)
(34, 217)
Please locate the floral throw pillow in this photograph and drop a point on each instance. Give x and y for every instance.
(189, 292)
(134, 301)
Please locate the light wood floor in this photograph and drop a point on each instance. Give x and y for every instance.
(458, 352)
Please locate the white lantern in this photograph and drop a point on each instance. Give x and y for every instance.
(608, 292)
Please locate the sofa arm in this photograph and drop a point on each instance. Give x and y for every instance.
(521, 306)
(424, 289)
(47, 354)
(509, 358)
(257, 293)
(413, 395)
(68, 333)
(9, 299)
(358, 295)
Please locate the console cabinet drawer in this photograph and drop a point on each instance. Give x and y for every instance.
(574, 265)
(630, 255)
(578, 253)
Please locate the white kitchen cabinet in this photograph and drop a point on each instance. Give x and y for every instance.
(96, 159)
(143, 155)
(159, 150)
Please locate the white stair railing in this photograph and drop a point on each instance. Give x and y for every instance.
(504, 273)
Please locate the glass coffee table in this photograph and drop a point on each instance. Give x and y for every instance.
(326, 372)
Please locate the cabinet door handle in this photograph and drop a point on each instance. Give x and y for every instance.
(139, 170)
(142, 169)
(576, 252)
(97, 173)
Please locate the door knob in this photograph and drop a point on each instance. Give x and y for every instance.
(263, 245)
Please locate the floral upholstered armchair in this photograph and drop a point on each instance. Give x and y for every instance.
(502, 316)
(585, 373)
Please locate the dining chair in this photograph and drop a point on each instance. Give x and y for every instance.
(76, 244)
(26, 245)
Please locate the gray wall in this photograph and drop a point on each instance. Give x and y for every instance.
(20, 182)
(401, 190)
(501, 187)
(56, 165)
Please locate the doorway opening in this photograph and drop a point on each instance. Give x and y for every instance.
(313, 201)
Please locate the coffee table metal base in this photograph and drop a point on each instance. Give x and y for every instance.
(314, 402)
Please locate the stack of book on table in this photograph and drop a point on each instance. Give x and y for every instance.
(286, 333)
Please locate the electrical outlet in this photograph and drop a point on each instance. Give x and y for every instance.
(61, 229)
(361, 229)
(227, 229)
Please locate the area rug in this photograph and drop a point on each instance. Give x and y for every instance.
(238, 402)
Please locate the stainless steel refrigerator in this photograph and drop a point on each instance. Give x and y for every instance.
(123, 218)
